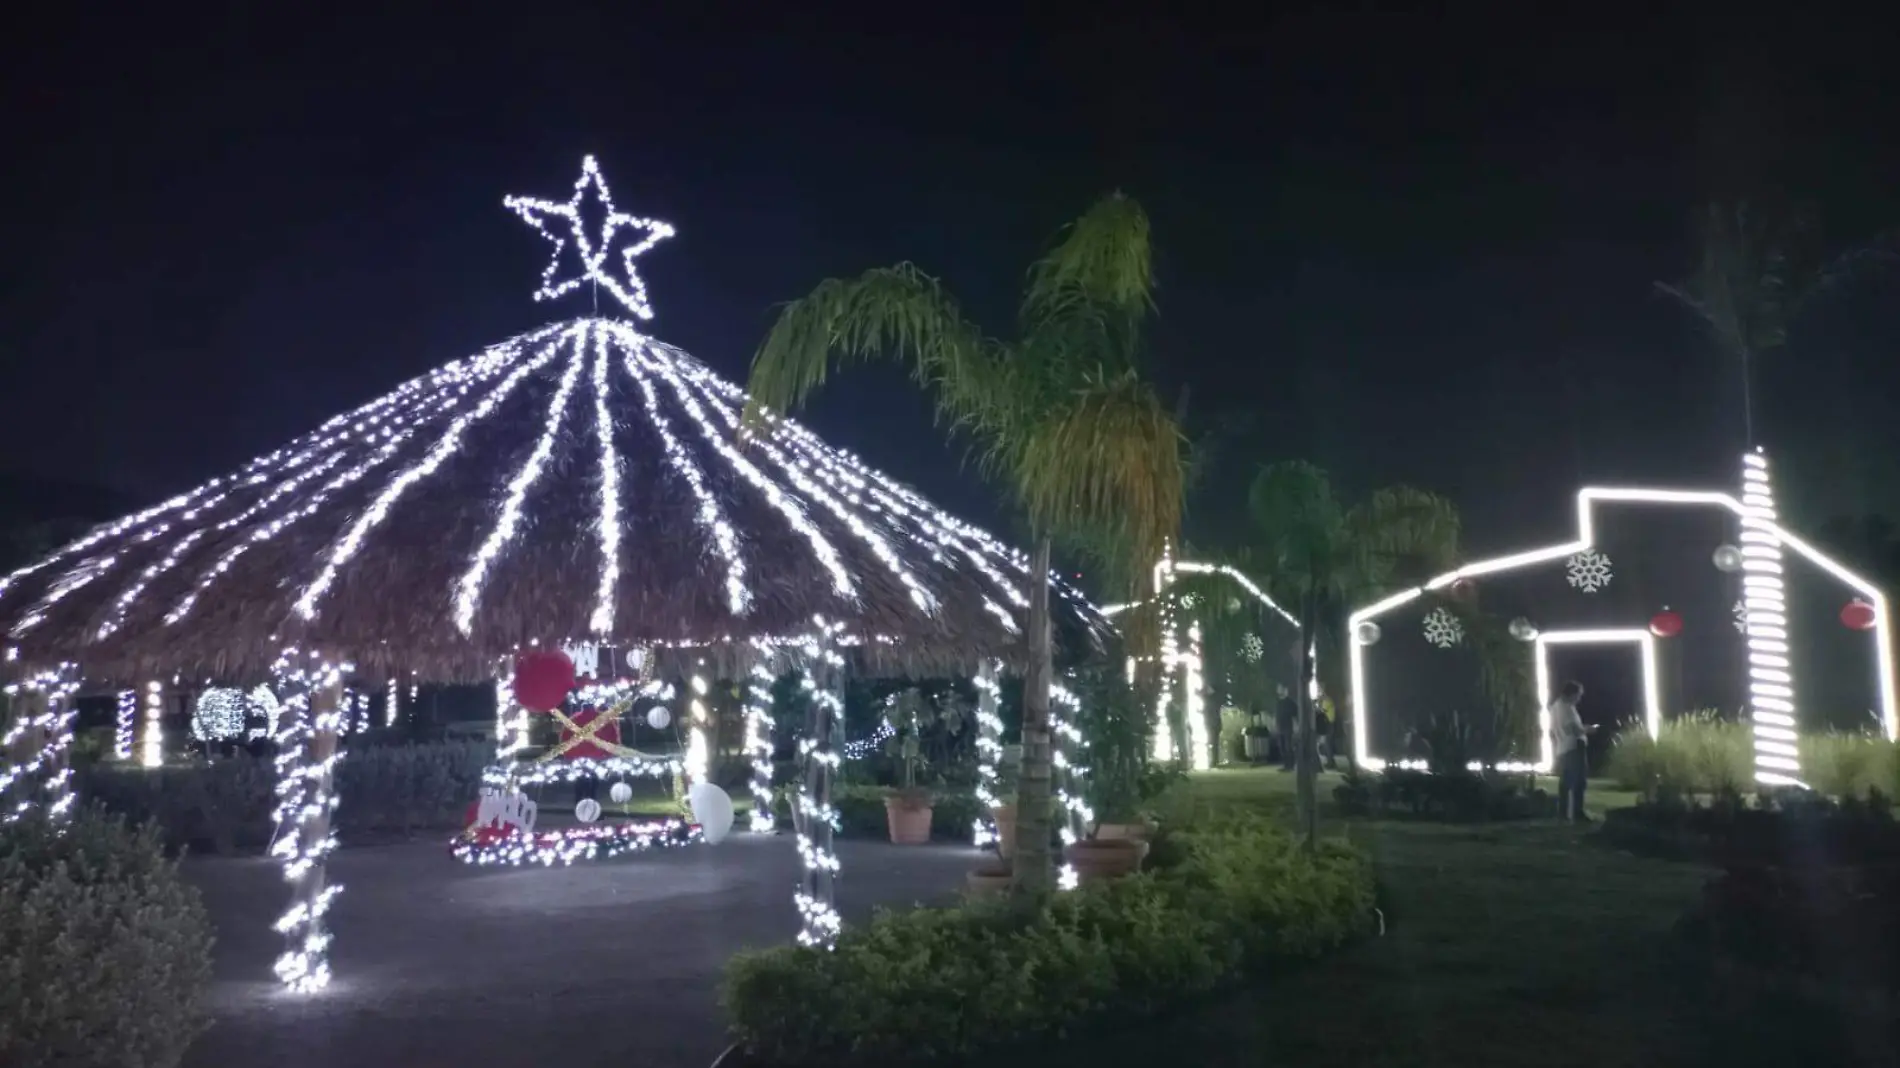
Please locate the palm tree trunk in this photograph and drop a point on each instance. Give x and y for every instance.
(1033, 868)
(1308, 771)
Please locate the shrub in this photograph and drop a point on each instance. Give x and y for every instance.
(937, 984)
(1457, 796)
(1702, 753)
(104, 951)
(226, 804)
(861, 811)
(1794, 829)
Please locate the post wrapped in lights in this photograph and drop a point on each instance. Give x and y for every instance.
(125, 725)
(39, 740)
(989, 752)
(698, 723)
(152, 737)
(758, 745)
(1770, 675)
(310, 690)
(813, 814)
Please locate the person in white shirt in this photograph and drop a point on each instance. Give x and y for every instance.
(1570, 741)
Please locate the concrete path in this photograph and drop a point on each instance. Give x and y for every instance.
(439, 965)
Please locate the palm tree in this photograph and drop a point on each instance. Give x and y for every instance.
(1321, 557)
(1059, 414)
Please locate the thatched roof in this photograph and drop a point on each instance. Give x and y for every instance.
(580, 482)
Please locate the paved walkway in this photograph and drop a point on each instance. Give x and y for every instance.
(439, 965)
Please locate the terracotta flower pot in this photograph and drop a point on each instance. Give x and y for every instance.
(987, 880)
(1005, 817)
(1136, 831)
(909, 818)
(1099, 859)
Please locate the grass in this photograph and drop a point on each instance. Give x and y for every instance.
(1506, 944)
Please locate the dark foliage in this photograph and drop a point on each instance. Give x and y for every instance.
(1770, 830)
(1459, 796)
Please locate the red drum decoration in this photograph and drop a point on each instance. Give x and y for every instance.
(1858, 615)
(1665, 624)
(543, 679)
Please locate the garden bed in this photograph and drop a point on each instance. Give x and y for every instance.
(930, 985)
(1459, 796)
(1733, 832)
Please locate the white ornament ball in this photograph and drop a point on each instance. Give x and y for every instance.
(1367, 633)
(1523, 629)
(620, 793)
(587, 811)
(636, 659)
(1728, 558)
(658, 718)
(712, 810)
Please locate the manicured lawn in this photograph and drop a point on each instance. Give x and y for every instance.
(1506, 944)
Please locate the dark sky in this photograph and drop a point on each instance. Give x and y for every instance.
(1413, 249)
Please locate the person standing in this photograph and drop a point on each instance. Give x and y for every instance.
(1285, 715)
(1570, 742)
(1323, 723)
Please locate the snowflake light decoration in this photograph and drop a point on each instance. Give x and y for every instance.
(1740, 611)
(593, 253)
(1588, 570)
(1251, 649)
(1443, 629)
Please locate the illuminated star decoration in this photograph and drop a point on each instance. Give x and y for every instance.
(539, 214)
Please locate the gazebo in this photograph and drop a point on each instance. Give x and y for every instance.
(582, 483)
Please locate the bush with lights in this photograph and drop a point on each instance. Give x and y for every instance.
(936, 984)
(105, 952)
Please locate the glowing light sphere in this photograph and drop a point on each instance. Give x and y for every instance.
(620, 793)
(1523, 629)
(1858, 615)
(1728, 558)
(1367, 633)
(587, 811)
(712, 810)
(1665, 624)
(658, 718)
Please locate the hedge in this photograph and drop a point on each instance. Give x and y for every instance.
(105, 952)
(936, 984)
(861, 812)
(1702, 753)
(226, 804)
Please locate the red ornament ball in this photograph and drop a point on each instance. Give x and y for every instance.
(1464, 589)
(1858, 615)
(543, 679)
(1665, 624)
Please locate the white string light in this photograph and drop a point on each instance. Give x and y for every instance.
(125, 725)
(989, 752)
(152, 747)
(609, 522)
(709, 515)
(593, 251)
(638, 353)
(305, 802)
(759, 729)
(49, 718)
(1652, 691)
(1770, 682)
(469, 590)
(815, 817)
(447, 445)
(569, 844)
(698, 756)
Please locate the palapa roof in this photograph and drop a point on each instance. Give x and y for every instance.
(582, 482)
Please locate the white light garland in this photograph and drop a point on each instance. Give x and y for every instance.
(446, 446)
(815, 817)
(126, 725)
(152, 739)
(505, 776)
(642, 354)
(42, 704)
(759, 729)
(698, 720)
(989, 751)
(597, 841)
(1770, 672)
(593, 251)
(311, 718)
(469, 590)
(392, 703)
(219, 714)
(608, 525)
(709, 515)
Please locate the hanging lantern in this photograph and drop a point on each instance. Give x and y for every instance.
(1858, 615)
(543, 679)
(1728, 558)
(1665, 624)
(658, 718)
(1367, 633)
(1523, 629)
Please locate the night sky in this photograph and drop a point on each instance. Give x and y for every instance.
(1410, 249)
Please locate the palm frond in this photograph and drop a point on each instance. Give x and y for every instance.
(895, 313)
(1298, 525)
(1106, 455)
(1091, 291)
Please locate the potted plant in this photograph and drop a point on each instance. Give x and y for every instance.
(1113, 785)
(908, 806)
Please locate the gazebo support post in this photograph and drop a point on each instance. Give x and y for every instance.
(39, 743)
(815, 816)
(313, 716)
(989, 754)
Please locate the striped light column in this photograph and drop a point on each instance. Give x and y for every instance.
(1770, 672)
